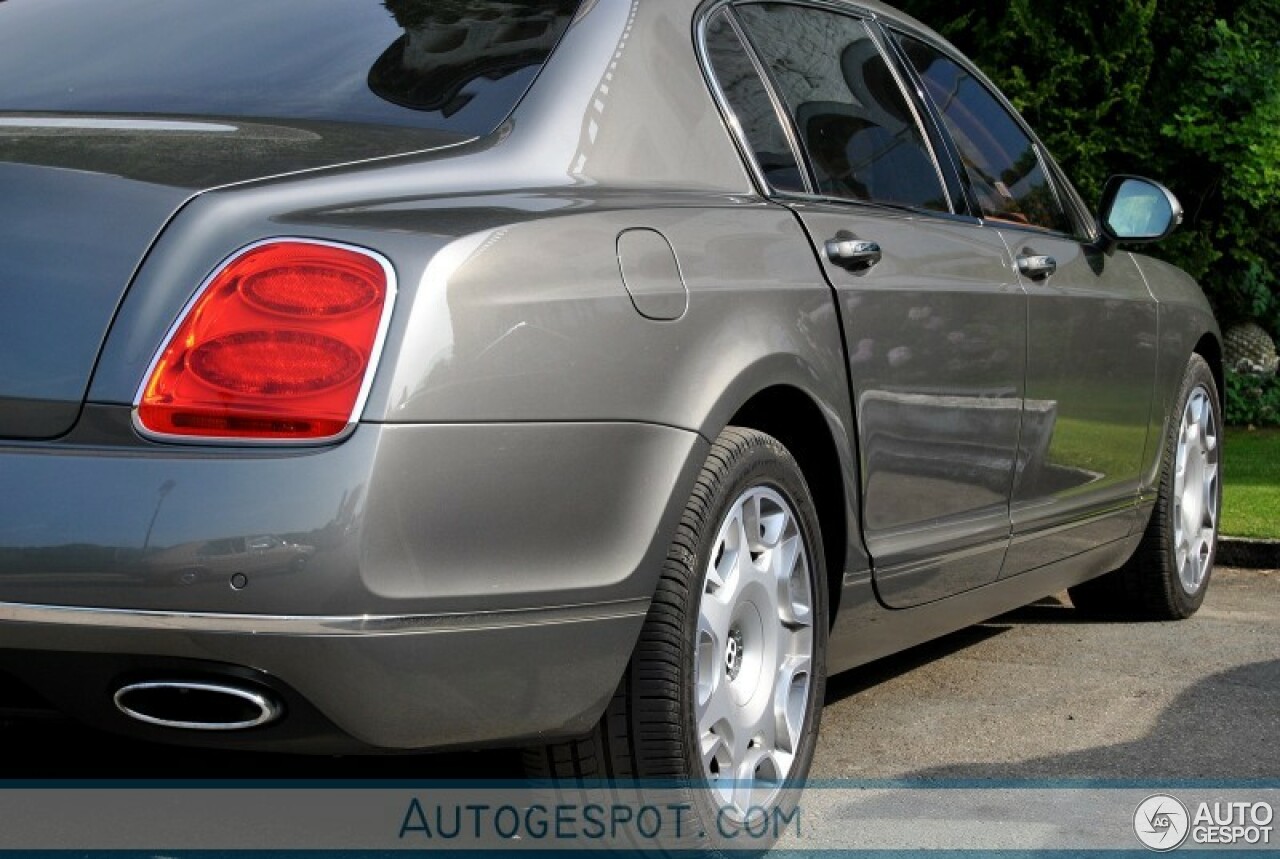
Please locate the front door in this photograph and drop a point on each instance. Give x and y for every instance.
(1090, 376)
(1091, 329)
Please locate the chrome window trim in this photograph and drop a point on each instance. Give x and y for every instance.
(1042, 156)
(730, 116)
(885, 209)
(882, 208)
(366, 386)
(1086, 220)
(1042, 153)
(937, 125)
(921, 128)
(868, 19)
(780, 111)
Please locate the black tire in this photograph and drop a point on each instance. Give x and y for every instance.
(649, 731)
(1148, 587)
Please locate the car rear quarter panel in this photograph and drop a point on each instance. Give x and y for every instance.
(531, 321)
(512, 307)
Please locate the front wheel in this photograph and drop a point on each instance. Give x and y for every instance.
(1169, 573)
(724, 691)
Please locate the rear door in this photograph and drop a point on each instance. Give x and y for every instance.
(1091, 325)
(932, 312)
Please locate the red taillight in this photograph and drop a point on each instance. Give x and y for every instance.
(279, 345)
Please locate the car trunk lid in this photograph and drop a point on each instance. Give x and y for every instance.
(82, 198)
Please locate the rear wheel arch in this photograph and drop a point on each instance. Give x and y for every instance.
(795, 419)
(723, 696)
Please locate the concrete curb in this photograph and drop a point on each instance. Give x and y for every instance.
(1249, 554)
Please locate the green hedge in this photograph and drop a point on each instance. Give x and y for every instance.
(1186, 92)
(1253, 401)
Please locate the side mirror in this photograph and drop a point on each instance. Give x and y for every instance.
(1137, 211)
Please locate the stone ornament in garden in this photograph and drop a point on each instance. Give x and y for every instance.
(1248, 348)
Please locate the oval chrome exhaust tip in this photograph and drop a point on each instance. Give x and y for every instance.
(196, 705)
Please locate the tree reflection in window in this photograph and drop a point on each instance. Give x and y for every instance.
(451, 48)
(852, 116)
(1005, 170)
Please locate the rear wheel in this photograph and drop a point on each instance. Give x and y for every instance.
(723, 694)
(1169, 573)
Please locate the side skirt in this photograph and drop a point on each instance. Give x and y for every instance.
(866, 631)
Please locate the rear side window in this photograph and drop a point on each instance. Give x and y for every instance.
(854, 122)
(447, 65)
(752, 108)
(1004, 165)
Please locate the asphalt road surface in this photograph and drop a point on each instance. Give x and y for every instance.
(1036, 694)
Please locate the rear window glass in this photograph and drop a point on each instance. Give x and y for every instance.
(853, 118)
(751, 106)
(454, 65)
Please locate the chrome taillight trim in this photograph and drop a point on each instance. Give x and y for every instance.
(366, 386)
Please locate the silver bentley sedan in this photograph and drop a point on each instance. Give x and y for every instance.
(590, 376)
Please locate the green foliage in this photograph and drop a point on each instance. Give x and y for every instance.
(1251, 484)
(1187, 93)
(1253, 401)
(1238, 77)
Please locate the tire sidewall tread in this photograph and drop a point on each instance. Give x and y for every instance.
(649, 728)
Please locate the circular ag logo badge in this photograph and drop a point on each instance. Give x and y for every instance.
(1161, 823)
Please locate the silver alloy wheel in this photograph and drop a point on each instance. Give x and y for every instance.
(1195, 491)
(754, 651)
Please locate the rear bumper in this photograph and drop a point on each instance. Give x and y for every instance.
(415, 587)
(348, 684)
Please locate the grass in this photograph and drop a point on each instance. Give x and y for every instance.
(1251, 484)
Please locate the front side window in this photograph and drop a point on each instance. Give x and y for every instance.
(1004, 165)
(752, 108)
(854, 122)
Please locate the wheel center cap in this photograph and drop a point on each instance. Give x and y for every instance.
(733, 654)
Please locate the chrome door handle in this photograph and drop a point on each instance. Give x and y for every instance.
(853, 254)
(1037, 267)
